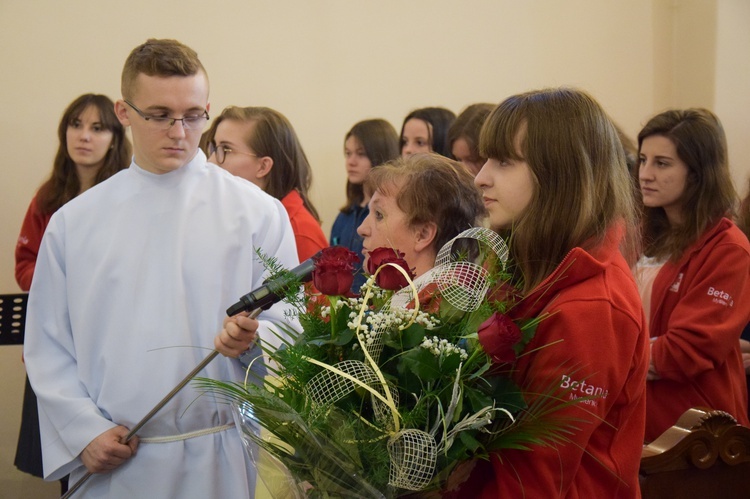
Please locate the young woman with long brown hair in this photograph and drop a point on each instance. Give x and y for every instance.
(556, 183)
(259, 144)
(694, 275)
(92, 147)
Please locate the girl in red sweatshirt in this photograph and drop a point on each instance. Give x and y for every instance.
(92, 147)
(694, 275)
(556, 182)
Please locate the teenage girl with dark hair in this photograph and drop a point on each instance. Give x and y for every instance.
(92, 147)
(426, 130)
(370, 143)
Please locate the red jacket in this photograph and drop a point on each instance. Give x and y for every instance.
(594, 343)
(28, 243)
(307, 232)
(698, 309)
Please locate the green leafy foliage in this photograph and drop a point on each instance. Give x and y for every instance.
(430, 364)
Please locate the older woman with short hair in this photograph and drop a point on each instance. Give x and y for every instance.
(418, 204)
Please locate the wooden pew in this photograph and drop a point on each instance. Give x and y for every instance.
(705, 455)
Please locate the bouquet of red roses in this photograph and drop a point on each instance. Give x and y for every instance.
(384, 393)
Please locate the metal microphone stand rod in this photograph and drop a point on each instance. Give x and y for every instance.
(158, 407)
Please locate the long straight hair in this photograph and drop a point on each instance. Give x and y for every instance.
(64, 184)
(582, 184)
(274, 136)
(709, 194)
(380, 142)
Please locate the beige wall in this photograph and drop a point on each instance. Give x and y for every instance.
(325, 64)
(700, 59)
(732, 83)
(329, 63)
(684, 53)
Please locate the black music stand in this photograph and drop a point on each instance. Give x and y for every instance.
(12, 318)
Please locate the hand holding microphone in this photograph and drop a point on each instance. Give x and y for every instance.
(237, 335)
(274, 290)
(240, 331)
(234, 338)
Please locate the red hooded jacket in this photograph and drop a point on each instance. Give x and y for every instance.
(307, 232)
(699, 307)
(594, 344)
(27, 247)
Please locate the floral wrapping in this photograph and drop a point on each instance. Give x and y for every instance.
(383, 395)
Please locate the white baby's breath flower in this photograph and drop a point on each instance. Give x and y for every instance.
(441, 346)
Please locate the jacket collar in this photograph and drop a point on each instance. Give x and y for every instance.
(723, 225)
(577, 266)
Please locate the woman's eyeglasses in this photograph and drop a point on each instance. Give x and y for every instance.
(222, 151)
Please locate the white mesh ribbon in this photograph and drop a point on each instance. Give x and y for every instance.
(328, 387)
(331, 385)
(413, 456)
(461, 283)
(488, 238)
(382, 411)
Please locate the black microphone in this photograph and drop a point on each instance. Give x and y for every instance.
(274, 290)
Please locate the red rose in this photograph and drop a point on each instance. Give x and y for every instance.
(388, 278)
(498, 335)
(334, 270)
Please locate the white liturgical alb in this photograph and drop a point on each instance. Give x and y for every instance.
(130, 288)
